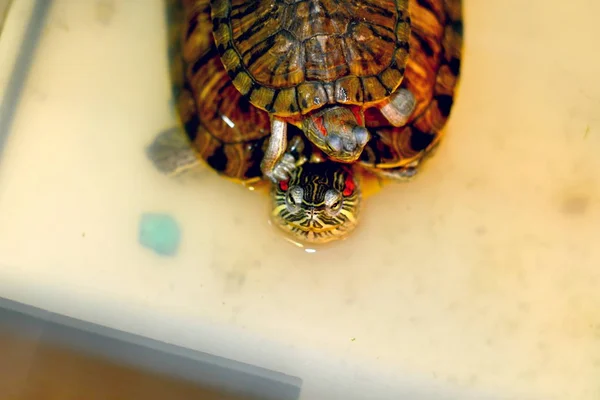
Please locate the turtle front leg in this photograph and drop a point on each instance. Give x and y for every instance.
(400, 108)
(276, 164)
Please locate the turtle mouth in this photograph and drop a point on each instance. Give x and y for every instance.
(323, 236)
(317, 235)
(312, 228)
(344, 157)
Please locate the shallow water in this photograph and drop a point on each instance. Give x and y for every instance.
(481, 274)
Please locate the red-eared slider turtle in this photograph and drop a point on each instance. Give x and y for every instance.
(317, 64)
(320, 201)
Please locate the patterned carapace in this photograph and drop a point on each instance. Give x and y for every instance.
(296, 56)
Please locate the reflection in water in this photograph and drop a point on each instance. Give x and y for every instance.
(228, 121)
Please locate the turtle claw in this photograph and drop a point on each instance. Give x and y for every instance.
(283, 169)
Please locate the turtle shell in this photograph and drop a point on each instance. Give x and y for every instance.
(224, 128)
(231, 134)
(290, 57)
(432, 75)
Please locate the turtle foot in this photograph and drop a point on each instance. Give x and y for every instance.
(404, 173)
(400, 108)
(283, 168)
(171, 152)
(289, 161)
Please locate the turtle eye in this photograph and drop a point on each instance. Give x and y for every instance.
(333, 200)
(336, 206)
(290, 200)
(293, 199)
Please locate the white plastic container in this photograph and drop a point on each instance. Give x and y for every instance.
(477, 280)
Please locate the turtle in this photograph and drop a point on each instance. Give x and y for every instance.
(320, 201)
(318, 65)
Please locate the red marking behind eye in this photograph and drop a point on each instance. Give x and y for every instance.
(349, 186)
(320, 126)
(358, 116)
(284, 185)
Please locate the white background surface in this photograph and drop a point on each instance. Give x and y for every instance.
(481, 276)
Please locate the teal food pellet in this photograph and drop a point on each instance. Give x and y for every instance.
(160, 232)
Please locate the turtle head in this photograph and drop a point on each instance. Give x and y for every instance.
(318, 204)
(338, 131)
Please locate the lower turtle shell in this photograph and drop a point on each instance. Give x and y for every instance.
(432, 75)
(225, 129)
